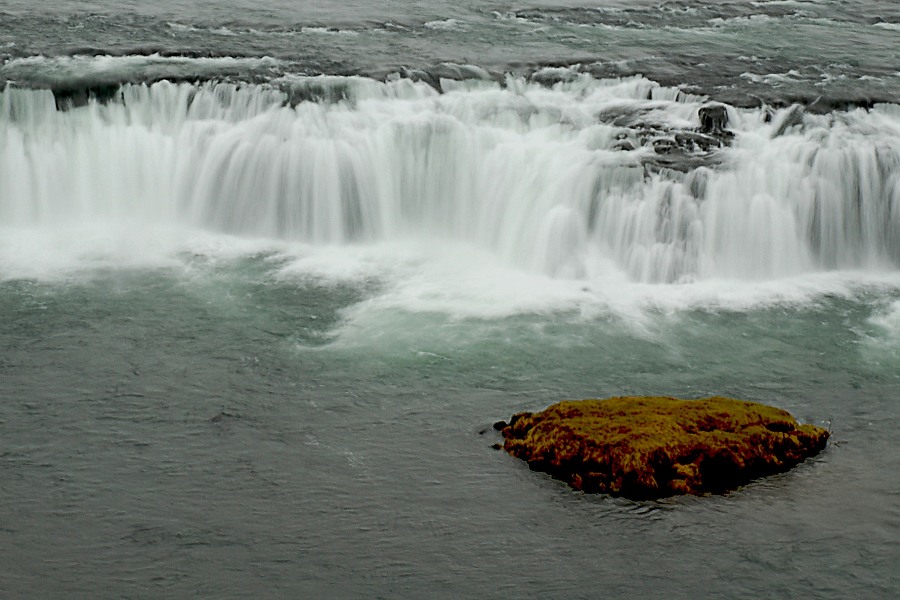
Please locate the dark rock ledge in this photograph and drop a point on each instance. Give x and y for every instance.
(654, 447)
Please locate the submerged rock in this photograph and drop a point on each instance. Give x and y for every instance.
(653, 447)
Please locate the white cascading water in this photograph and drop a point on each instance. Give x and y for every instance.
(529, 173)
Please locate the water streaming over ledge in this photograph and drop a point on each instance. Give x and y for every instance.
(537, 175)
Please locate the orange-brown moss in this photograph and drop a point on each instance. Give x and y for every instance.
(651, 447)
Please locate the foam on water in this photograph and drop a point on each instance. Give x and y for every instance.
(413, 288)
(886, 323)
(446, 25)
(73, 70)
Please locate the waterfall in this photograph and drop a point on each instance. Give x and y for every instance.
(530, 173)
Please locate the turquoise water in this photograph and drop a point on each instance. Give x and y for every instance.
(220, 430)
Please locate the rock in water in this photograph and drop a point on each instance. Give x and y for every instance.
(713, 119)
(653, 447)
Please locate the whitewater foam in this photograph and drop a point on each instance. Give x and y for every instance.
(887, 321)
(413, 292)
(447, 25)
(329, 31)
(72, 71)
(888, 26)
(881, 339)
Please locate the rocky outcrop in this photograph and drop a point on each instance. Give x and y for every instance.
(676, 149)
(713, 119)
(652, 447)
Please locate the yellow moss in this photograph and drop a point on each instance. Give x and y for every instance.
(659, 446)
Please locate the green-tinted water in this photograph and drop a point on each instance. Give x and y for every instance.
(224, 431)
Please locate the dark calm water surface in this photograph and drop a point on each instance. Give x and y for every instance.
(269, 272)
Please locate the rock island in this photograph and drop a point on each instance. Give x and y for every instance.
(653, 447)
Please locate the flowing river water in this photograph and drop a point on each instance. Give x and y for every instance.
(268, 274)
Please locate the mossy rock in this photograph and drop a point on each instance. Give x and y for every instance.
(653, 447)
